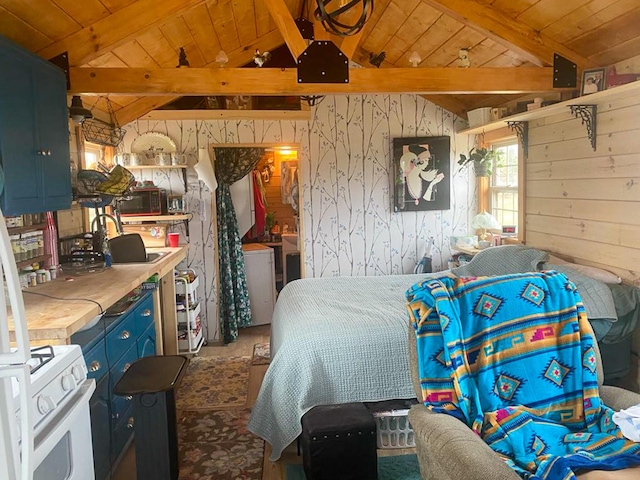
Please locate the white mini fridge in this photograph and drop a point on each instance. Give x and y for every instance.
(261, 281)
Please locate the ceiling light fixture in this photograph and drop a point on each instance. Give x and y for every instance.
(415, 59)
(182, 59)
(222, 58)
(463, 55)
(77, 112)
(330, 20)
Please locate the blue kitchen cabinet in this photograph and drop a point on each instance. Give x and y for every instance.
(109, 349)
(34, 133)
(101, 429)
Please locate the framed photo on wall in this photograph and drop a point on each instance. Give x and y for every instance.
(421, 167)
(593, 80)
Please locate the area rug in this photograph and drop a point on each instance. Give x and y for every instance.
(397, 467)
(214, 382)
(261, 354)
(215, 445)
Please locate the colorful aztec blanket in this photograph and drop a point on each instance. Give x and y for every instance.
(512, 356)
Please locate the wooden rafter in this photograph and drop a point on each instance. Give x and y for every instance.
(141, 107)
(271, 81)
(288, 28)
(109, 32)
(349, 44)
(238, 57)
(503, 29)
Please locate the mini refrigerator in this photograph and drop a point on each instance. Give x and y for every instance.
(261, 281)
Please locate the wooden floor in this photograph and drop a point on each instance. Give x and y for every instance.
(243, 347)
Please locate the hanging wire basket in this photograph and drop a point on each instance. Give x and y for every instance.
(103, 133)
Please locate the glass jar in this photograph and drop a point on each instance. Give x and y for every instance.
(41, 275)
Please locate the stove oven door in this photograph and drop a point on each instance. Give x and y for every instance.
(63, 448)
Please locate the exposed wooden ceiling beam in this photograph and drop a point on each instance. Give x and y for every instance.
(515, 35)
(349, 44)
(455, 104)
(272, 81)
(288, 28)
(237, 57)
(109, 32)
(141, 107)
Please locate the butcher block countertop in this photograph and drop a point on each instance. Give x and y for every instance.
(54, 321)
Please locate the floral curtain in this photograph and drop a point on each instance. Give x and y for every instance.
(231, 164)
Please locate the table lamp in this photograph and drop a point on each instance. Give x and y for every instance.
(484, 221)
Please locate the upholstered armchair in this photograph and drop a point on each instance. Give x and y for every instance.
(448, 450)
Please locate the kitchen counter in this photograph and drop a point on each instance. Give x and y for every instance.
(53, 321)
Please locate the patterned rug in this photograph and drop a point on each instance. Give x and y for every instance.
(261, 354)
(215, 445)
(396, 467)
(214, 382)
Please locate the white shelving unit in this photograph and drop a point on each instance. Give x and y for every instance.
(190, 336)
(184, 218)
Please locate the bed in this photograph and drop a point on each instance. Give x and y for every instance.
(343, 339)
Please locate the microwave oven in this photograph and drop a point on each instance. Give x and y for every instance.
(143, 201)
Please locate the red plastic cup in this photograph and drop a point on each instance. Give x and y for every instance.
(174, 239)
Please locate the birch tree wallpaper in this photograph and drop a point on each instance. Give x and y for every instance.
(347, 224)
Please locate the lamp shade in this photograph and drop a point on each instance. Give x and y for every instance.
(204, 169)
(485, 221)
(77, 112)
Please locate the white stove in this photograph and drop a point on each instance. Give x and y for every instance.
(56, 373)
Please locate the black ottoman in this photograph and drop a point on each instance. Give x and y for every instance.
(338, 442)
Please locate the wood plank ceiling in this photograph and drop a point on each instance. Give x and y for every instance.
(149, 34)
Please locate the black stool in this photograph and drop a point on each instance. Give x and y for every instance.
(152, 381)
(339, 443)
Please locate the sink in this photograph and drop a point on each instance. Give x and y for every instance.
(155, 256)
(152, 257)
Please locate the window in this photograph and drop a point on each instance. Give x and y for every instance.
(503, 189)
(92, 155)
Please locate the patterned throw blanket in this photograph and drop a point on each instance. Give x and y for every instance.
(512, 356)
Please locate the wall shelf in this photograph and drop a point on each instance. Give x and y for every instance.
(31, 261)
(227, 115)
(598, 98)
(155, 218)
(30, 228)
(153, 167)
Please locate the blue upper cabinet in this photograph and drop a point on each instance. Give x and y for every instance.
(34, 133)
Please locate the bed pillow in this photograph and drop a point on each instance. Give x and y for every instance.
(502, 261)
(596, 296)
(599, 274)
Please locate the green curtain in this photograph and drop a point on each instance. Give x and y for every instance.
(231, 164)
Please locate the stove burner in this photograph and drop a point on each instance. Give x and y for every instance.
(41, 356)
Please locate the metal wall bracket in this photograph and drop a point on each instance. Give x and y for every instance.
(323, 62)
(62, 61)
(588, 115)
(522, 131)
(565, 72)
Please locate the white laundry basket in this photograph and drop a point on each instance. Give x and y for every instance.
(394, 430)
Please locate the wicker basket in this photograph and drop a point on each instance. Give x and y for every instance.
(102, 133)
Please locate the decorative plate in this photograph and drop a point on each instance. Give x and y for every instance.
(151, 143)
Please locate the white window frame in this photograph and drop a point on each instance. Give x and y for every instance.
(515, 189)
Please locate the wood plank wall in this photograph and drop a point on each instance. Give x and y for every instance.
(582, 204)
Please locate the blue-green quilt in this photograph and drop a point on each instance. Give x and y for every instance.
(512, 356)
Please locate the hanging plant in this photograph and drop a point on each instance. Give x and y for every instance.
(482, 160)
